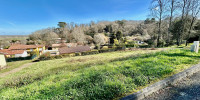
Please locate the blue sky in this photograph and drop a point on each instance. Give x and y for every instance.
(21, 17)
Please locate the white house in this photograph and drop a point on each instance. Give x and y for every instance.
(14, 53)
(24, 54)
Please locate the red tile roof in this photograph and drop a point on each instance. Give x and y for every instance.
(11, 52)
(67, 50)
(40, 46)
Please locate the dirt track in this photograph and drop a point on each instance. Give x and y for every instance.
(15, 70)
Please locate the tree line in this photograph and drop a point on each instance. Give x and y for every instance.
(170, 22)
(177, 20)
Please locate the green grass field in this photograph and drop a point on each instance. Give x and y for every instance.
(101, 76)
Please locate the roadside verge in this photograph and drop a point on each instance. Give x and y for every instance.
(161, 84)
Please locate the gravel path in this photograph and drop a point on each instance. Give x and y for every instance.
(186, 89)
(15, 70)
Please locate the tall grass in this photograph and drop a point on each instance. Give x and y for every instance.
(100, 81)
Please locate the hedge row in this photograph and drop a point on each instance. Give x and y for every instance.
(47, 56)
(20, 58)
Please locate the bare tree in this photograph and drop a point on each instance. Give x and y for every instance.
(185, 9)
(49, 37)
(195, 9)
(99, 39)
(78, 35)
(172, 7)
(45, 35)
(158, 10)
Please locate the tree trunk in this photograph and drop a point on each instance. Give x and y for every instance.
(170, 22)
(159, 30)
(177, 41)
(191, 25)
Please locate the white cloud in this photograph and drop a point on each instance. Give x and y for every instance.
(11, 23)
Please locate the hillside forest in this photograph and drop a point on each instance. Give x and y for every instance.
(170, 22)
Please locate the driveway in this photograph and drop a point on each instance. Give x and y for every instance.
(186, 89)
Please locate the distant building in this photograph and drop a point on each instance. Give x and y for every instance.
(52, 52)
(14, 53)
(28, 48)
(138, 39)
(2, 61)
(77, 49)
(62, 45)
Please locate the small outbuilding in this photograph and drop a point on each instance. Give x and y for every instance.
(2, 60)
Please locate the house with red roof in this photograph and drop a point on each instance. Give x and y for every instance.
(14, 53)
(28, 48)
(62, 45)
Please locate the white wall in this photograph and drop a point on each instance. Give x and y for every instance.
(2, 61)
(25, 54)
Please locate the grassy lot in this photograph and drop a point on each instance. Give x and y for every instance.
(102, 76)
(13, 65)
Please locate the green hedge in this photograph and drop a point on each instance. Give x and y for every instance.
(90, 52)
(20, 58)
(107, 50)
(47, 55)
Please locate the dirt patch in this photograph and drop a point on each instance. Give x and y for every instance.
(1, 68)
(15, 70)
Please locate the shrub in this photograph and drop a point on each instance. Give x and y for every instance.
(94, 51)
(116, 42)
(45, 56)
(58, 56)
(78, 54)
(107, 50)
(34, 53)
(72, 54)
(65, 55)
(131, 44)
(98, 46)
(105, 47)
(90, 52)
(143, 46)
(161, 43)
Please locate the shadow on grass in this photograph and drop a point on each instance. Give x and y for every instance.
(181, 54)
